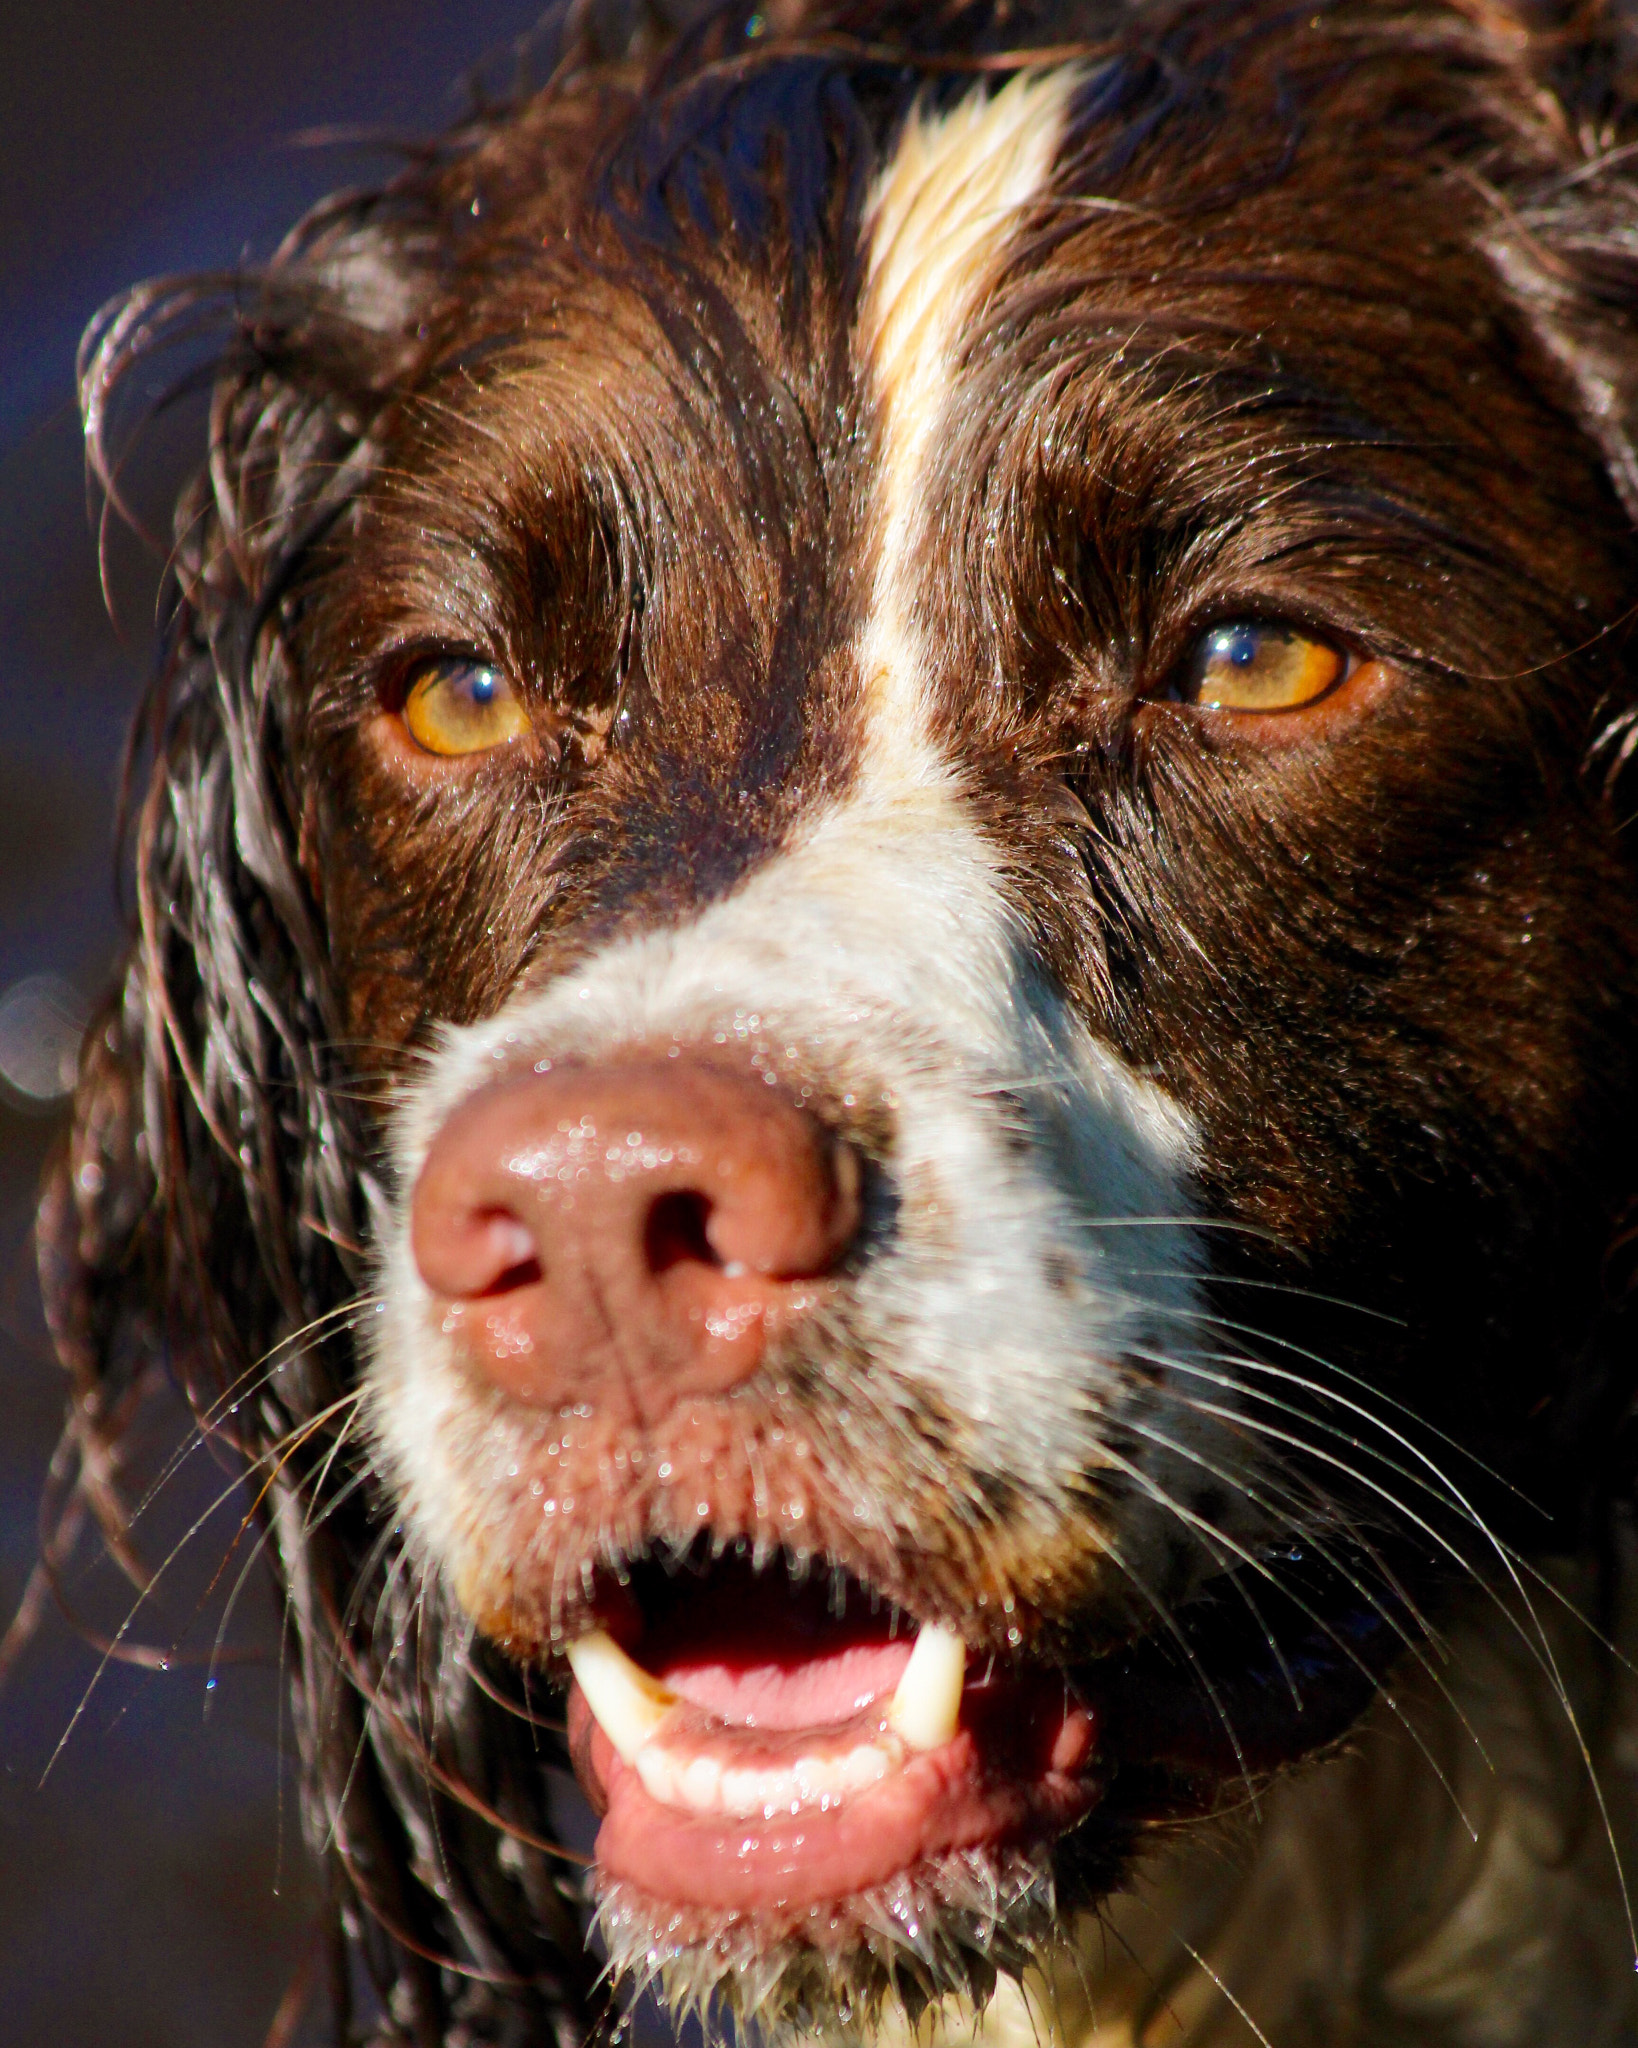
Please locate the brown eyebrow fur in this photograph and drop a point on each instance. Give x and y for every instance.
(223, 1166)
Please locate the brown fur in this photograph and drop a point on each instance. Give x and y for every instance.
(1329, 315)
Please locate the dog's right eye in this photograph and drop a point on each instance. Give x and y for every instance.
(1252, 665)
(462, 707)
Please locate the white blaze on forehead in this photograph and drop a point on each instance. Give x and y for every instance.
(938, 222)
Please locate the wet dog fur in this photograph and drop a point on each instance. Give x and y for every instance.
(843, 423)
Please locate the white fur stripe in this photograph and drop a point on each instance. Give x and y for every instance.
(939, 221)
(941, 215)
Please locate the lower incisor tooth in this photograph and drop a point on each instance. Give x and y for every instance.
(862, 1767)
(702, 1784)
(745, 1792)
(927, 1706)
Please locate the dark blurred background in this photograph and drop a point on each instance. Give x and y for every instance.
(153, 1888)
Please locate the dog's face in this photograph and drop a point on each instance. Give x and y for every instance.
(953, 726)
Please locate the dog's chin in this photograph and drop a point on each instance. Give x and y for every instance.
(948, 1928)
(774, 1846)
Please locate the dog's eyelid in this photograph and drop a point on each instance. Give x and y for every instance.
(392, 673)
(454, 708)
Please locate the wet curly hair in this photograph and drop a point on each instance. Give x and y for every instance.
(207, 1220)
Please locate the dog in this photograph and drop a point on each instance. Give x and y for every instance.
(880, 1053)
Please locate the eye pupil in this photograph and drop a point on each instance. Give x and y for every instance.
(1238, 644)
(483, 686)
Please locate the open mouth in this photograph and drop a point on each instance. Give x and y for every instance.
(758, 1749)
(766, 1754)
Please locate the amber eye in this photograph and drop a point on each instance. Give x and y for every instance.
(1245, 666)
(462, 707)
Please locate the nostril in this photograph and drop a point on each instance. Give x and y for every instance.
(652, 1222)
(466, 1249)
(675, 1233)
(511, 1255)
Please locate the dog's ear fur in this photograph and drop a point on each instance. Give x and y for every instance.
(213, 1194)
(1565, 239)
(208, 1073)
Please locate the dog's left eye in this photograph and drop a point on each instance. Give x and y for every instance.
(462, 707)
(1249, 666)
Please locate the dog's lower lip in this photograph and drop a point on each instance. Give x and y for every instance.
(778, 1782)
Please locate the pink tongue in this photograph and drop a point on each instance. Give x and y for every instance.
(758, 1652)
(763, 1685)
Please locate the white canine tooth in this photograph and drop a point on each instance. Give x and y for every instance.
(927, 1705)
(626, 1703)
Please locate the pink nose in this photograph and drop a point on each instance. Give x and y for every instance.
(646, 1224)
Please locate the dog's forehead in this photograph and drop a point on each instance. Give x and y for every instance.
(774, 335)
(831, 422)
